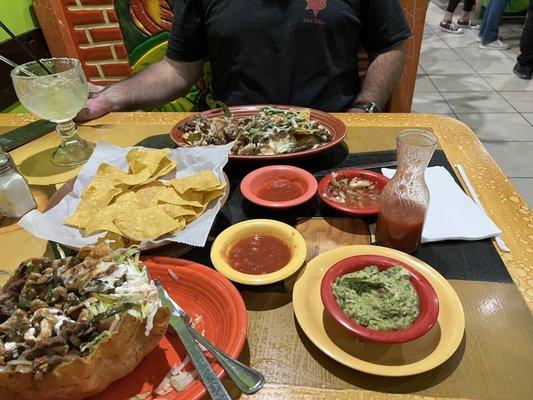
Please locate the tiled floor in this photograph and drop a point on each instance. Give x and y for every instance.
(479, 88)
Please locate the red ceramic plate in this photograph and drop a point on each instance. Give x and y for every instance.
(428, 301)
(200, 291)
(379, 179)
(255, 181)
(333, 124)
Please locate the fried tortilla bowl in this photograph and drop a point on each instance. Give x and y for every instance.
(48, 358)
(86, 376)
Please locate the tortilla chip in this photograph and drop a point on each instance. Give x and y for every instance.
(204, 181)
(101, 222)
(116, 241)
(212, 195)
(134, 206)
(148, 223)
(169, 196)
(305, 113)
(140, 158)
(147, 193)
(145, 165)
(108, 175)
(103, 219)
(165, 166)
(177, 211)
(206, 199)
(190, 218)
(192, 198)
(149, 162)
(129, 197)
(137, 179)
(93, 198)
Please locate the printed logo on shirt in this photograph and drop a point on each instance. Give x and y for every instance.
(316, 6)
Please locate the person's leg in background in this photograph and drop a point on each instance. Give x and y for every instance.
(465, 21)
(490, 24)
(482, 25)
(524, 65)
(447, 24)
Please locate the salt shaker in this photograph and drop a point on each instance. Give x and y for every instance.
(15, 195)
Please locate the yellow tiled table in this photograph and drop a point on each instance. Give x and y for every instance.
(498, 315)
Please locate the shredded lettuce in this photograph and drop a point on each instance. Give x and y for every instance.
(141, 396)
(129, 256)
(90, 346)
(114, 311)
(132, 287)
(98, 307)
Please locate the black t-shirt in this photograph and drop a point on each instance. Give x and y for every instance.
(298, 52)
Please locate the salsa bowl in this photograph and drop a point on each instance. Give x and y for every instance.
(235, 234)
(428, 300)
(279, 186)
(378, 179)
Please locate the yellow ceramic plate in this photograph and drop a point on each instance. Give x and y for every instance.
(285, 232)
(404, 359)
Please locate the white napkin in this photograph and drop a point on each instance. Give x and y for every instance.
(49, 225)
(452, 215)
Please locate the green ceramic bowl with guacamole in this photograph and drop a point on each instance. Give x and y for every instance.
(379, 299)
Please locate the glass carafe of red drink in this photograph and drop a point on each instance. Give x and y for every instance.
(405, 199)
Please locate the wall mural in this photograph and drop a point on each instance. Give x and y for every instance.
(145, 26)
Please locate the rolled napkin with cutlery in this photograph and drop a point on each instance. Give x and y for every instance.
(452, 215)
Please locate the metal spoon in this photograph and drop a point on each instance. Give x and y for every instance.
(247, 379)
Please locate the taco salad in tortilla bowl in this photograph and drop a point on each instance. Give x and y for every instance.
(70, 327)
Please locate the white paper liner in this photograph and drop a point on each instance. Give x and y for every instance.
(189, 161)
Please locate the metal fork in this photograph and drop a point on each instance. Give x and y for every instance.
(247, 379)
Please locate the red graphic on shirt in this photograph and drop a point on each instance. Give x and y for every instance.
(316, 6)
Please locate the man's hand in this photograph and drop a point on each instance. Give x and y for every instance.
(162, 81)
(97, 105)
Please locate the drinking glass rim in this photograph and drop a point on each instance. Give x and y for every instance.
(430, 136)
(76, 63)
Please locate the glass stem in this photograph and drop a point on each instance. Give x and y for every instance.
(68, 133)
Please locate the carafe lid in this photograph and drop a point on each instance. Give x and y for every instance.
(6, 163)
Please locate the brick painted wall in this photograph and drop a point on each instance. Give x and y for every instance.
(95, 36)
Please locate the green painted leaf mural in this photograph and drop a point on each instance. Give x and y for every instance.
(145, 25)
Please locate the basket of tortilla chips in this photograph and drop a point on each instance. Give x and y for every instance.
(140, 196)
(70, 327)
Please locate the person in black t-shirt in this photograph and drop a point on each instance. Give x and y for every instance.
(296, 52)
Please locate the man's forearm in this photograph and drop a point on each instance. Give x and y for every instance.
(156, 85)
(382, 75)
